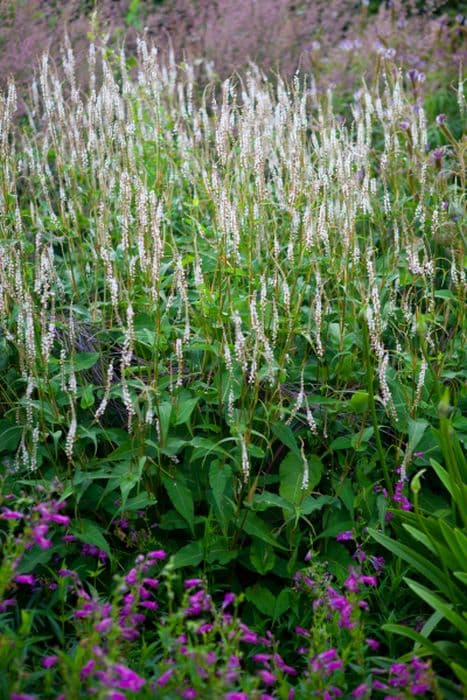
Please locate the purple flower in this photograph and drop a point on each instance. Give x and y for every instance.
(151, 582)
(267, 677)
(207, 627)
(372, 643)
(165, 677)
(192, 582)
(344, 536)
(27, 579)
(441, 119)
(49, 661)
(129, 680)
(103, 625)
(229, 598)
(236, 696)
(280, 663)
(60, 519)
(11, 515)
(87, 669)
(157, 554)
(189, 694)
(360, 691)
(22, 696)
(149, 604)
(302, 632)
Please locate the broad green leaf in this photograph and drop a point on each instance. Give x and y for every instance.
(310, 504)
(416, 430)
(34, 558)
(265, 500)
(359, 401)
(292, 477)
(87, 397)
(219, 476)
(262, 598)
(282, 603)
(341, 443)
(262, 557)
(184, 410)
(254, 526)
(85, 360)
(189, 555)
(91, 533)
(9, 438)
(182, 500)
(286, 436)
(164, 412)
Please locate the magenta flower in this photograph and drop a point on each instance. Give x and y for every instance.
(236, 696)
(189, 694)
(360, 691)
(129, 680)
(165, 677)
(207, 627)
(27, 579)
(229, 598)
(151, 582)
(87, 669)
(157, 554)
(267, 677)
(103, 625)
(49, 661)
(345, 536)
(11, 515)
(192, 582)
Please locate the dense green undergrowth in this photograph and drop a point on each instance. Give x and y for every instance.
(232, 338)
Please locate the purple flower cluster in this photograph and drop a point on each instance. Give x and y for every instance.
(415, 679)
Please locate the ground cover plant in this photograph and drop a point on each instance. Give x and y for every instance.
(232, 379)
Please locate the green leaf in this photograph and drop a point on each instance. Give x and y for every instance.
(418, 638)
(91, 533)
(219, 476)
(87, 396)
(416, 430)
(262, 598)
(184, 410)
(182, 499)
(282, 603)
(291, 474)
(164, 412)
(439, 605)
(9, 437)
(341, 443)
(286, 436)
(359, 401)
(254, 526)
(265, 500)
(310, 504)
(263, 558)
(423, 565)
(85, 360)
(189, 555)
(34, 558)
